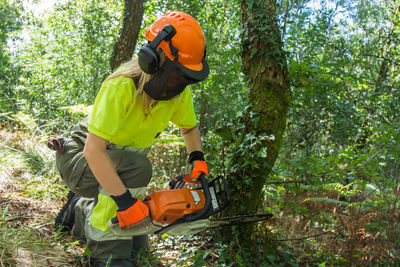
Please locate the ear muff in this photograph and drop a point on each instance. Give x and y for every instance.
(148, 57)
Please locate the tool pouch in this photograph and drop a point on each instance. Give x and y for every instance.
(57, 144)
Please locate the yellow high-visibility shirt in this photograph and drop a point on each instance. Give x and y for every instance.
(118, 116)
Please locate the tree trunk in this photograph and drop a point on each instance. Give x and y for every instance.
(264, 120)
(125, 45)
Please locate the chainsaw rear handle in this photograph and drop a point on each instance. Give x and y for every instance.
(207, 205)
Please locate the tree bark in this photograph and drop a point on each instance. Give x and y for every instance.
(125, 45)
(264, 119)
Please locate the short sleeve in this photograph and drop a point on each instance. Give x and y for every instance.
(184, 116)
(110, 107)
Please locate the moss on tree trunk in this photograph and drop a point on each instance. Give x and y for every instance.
(264, 120)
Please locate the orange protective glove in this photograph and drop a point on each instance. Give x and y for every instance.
(131, 210)
(195, 168)
(134, 214)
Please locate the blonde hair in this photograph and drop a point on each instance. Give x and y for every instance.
(132, 70)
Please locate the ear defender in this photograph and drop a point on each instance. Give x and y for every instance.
(148, 57)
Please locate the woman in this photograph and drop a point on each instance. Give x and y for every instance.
(104, 162)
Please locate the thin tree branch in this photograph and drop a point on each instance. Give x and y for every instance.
(306, 237)
(288, 182)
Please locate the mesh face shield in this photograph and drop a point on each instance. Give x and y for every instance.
(168, 82)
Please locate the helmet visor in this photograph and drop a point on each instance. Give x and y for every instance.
(197, 75)
(168, 82)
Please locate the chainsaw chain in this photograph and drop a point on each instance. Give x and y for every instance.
(240, 219)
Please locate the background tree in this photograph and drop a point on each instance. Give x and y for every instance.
(262, 124)
(65, 58)
(126, 42)
(10, 23)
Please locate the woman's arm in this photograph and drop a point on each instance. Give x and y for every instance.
(192, 139)
(197, 164)
(102, 166)
(130, 210)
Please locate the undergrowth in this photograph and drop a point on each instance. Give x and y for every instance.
(330, 224)
(31, 195)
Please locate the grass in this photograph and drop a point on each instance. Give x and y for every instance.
(30, 245)
(31, 195)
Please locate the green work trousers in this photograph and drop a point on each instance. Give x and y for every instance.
(134, 169)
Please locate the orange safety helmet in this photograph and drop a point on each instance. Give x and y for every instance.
(189, 40)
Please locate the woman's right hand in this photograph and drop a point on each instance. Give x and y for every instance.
(130, 210)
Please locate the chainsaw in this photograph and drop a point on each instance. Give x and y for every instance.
(180, 211)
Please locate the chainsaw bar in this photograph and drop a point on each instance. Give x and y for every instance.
(240, 219)
(202, 224)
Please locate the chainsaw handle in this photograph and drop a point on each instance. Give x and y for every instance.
(207, 205)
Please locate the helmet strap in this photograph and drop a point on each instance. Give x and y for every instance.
(167, 32)
(173, 50)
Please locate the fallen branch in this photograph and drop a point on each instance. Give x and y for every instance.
(288, 182)
(17, 218)
(305, 237)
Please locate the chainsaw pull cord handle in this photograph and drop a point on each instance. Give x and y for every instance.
(207, 205)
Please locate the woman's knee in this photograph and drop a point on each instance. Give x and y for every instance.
(133, 168)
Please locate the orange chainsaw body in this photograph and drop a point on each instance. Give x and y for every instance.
(168, 206)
